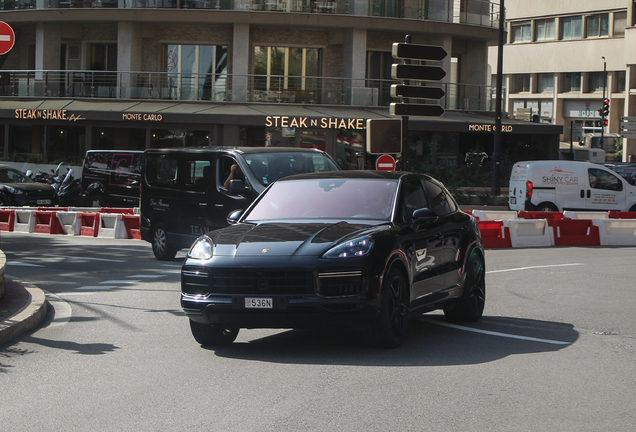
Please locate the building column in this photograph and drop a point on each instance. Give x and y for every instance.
(48, 46)
(240, 62)
(128, 55)
(354, 61)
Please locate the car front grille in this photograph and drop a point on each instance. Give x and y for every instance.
(39, 195)
(340, 283)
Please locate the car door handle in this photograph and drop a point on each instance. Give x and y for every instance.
(202, 204)
(218, 205)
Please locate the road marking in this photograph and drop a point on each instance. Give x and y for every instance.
(119, 282)
(146, 276)
(62, 311)
(98, 288)
(492, 333)
(534, 267)
(22, 264)
(131, 250)
(86, 258)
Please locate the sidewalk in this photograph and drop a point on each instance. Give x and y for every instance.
(22, 307)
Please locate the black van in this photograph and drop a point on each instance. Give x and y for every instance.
(111, 178)
(186, 192)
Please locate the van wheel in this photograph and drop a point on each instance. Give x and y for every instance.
(633, 208)
(546, 206)
(160, 246)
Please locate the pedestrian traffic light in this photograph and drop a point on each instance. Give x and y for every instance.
(606, 107)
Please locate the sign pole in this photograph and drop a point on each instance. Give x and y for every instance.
(496, 154)
(405, 122)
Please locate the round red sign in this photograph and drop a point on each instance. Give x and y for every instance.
(7, 38)
(385, 163)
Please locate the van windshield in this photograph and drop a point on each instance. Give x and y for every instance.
(269, 167)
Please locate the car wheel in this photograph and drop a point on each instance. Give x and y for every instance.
(160, 246)
(98, 201)
(633, 208)
(4, 200)
(470, 305)
(213, 335)
(389, 330)
(546, 206)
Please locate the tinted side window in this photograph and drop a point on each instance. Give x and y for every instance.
(196, 174)
(441, 202)
(601, 179)
(225, 171)
(161, 170)
(413, 198)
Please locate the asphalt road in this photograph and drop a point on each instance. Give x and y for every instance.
(554, 352)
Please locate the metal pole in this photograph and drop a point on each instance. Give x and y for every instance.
(405, 122)
(604, 87)
(496, 154)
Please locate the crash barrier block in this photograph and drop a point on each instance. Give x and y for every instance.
(575, 232)
(621, 215)
(585, 215)
(116, 210)
(131, 222)
(616, 232)
(550, 216)
(7, 217)
(88, 224)
(46, 222)
(111, 225)
(494, 234)
(84, 209)
(24, 221)
(530, 232)
(69, 222)
(55, 209)
(494, 215)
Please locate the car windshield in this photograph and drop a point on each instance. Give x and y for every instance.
(10, 175)
(341, 199)
(269, 167)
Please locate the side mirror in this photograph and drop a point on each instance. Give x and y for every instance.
(423, 216)
(234, 217)
(236, 187)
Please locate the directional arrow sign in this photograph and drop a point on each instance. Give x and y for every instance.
(628, 134)
(418, 52)
(417, 72)
(403, 109)
(417, 92)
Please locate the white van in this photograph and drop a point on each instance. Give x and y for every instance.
(559, 185)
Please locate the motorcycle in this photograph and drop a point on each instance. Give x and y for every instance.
(69, 190)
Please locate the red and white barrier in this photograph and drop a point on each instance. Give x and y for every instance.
(616, 232)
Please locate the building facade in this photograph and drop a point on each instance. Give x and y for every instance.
(563, 59)
(137, 74)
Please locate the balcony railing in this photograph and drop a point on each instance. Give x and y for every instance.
(475, 12)
(226, 88)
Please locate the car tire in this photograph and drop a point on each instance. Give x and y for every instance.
(213, 335)
(389, 330)
(546, 206)
(4, 200)
(160, 246)
(470, 306)
(633, 208)
(97, 200)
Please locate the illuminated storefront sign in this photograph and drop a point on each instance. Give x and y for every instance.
(46, 114)
(312, 122)
(142, 117)
(488, 128)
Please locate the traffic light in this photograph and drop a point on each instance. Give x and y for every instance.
(384, 136)
(606, 107)
(605, 122)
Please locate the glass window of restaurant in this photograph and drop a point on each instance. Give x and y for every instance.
(196, 72)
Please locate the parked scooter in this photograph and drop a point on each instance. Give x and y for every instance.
(69, 191)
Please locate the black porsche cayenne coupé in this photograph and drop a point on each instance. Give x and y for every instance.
(349, 249)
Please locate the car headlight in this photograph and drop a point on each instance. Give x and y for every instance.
(13, 190)
(201, 249)
(357, 247)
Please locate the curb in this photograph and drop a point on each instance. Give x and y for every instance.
(28, 316)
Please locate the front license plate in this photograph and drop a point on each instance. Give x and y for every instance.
(513, 200)
(43, 202)
(258, 303)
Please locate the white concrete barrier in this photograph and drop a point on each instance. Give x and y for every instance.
(616, 232)
(24, 221)
(530, 232)
(585, 215)
(494, 214)
(111, 225)
(69, 222)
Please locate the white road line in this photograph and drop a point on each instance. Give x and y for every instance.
(98, 288)
(62, 310)
(22, 264)
(131, 250)
(110, 282)
(85, 258)
(146, 276)
(492, 333)
(533, 267)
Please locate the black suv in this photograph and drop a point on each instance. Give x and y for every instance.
(186, 192)
(111, 178)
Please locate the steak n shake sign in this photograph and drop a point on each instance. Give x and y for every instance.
(315, 122)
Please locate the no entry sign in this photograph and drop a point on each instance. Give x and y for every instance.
(385, 163)
(7, 38)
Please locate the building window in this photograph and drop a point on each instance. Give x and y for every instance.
(597, 25)
(521, 83)
(595, 82)
(571, 82)
(521, 32)
(620, 22)
(286, 68)
(544, 29)
(545, 83)
(197, 72)
(619, 78)
(571, 27)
